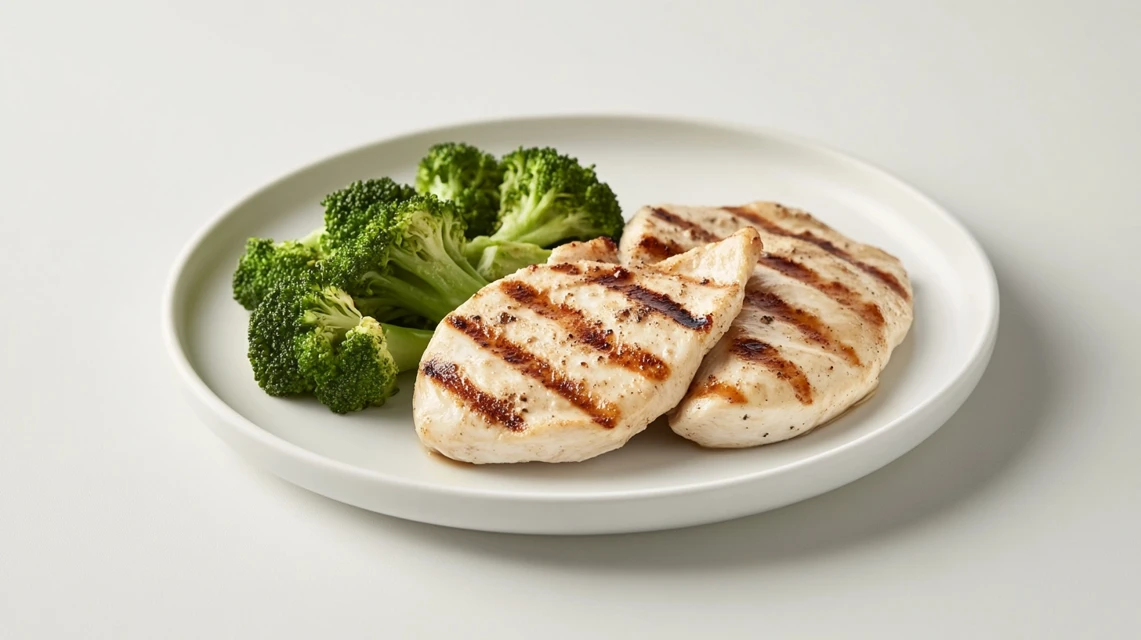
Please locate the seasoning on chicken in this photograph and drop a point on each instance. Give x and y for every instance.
(821, 317)
(564, 362)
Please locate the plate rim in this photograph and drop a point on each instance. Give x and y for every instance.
(980, 350)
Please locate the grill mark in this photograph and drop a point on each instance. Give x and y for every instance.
(697, 231)
(608, 247)
(809, 325)
(890, 280)
(767, 355)
(494, 410)
(715, 387)
(567, 267)
(789, 268)
(768, 225)
(619, 280)
(581, 329)
(659, 249)
(845, 296)
(836, 290)
(531, 365)
(607, 243)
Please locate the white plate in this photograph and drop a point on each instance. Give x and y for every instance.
(374, 460)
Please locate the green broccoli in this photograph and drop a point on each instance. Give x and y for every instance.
(410, 257)
(468, 177)
(505, 258)
(274, 327)
(547, 198)
(347, 210)
(304, 339)
(352, 359)
(265, 263)
(384, 310)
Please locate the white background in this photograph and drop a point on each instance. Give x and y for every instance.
(125, 126)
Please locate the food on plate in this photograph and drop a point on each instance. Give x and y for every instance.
(392, 260)
(821, 317)
(307, 339)
(564, 362)
(544, 327)
(266, 263)
(469, 177)
(547, 199)
(347, 212)
(504, 258)
(407, 260)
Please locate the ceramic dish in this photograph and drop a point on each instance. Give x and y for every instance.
(373, 459)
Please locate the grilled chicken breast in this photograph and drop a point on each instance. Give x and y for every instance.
(821, 317)
(564, 362)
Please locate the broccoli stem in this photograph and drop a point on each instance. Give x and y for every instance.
(474, 249)
(532, 225)
(419, 300)
(451, 281)
(406, 345)
(505, 258)
(543, 236)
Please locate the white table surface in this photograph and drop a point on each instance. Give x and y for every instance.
(124, 126)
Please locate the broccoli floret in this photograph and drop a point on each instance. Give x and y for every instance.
(505, 258)
(304, 339)
(468, 177)
(274, 327)
(547, 198)
(347, 211)
(352, 359)
(354, 374)
(409, 257)
(265, 263)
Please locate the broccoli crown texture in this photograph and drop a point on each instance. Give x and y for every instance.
(410, 257)
(274, 327)
(344, 354)
(547, 198)
(266, 263)
(305, 339)
(467, 176)
(349, 210)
